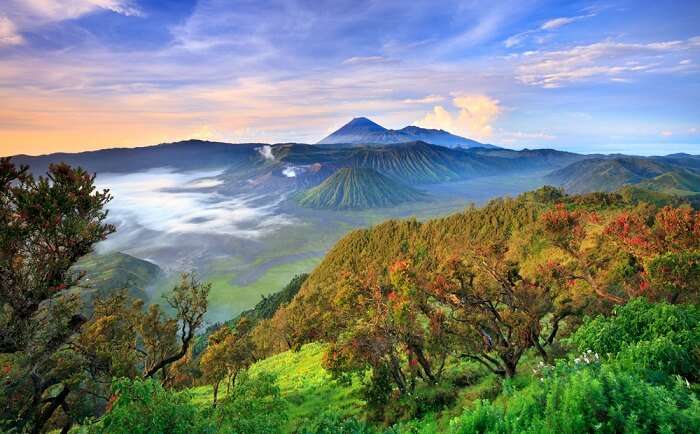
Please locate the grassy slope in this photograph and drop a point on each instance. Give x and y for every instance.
(307, 387)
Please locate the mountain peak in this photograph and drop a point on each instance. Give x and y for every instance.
(363, 131)
(362, 124)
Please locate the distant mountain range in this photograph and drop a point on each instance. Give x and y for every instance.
(358, 188)
(362, 131)
(677, 174)
(362, 166)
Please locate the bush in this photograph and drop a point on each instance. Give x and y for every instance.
(575, 398)
(655, 339)
(144, 406)
(427, 398)
(331, 422)
(254, 406)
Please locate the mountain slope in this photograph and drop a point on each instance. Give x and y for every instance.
(423, 163)
(107, 273)
(442, 138)
(606, 174)
(672, 174)
(362, 131)
(677, 182)
(358, 188)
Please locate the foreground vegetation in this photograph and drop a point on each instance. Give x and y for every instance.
(544, 313)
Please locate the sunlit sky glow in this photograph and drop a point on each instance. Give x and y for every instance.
(609, 76)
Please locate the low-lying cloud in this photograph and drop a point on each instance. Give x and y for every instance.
(167, 202)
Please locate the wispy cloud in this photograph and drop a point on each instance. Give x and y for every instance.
(608, 59)
(9, 34)
(429, 99)
(548, 26)
(366, 60)
(555, 23)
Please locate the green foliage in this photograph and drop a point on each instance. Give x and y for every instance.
(655, 338)
(144, 406)
(588, 398)
(677, 182)
(333, 422)
(254, 406)
(358, 188)
(46, 225)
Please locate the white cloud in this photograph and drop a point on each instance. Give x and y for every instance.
(666, 133)
(22, 15)
(365, 60)
(608, 59)
(9, 35)
(547, 26)
(59, 10)
(555, 23)
(513, 136)
(473, 119)
(430, 99)
(266, 152)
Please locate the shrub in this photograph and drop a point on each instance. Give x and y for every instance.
(575, 398)
(332, 422)
(144, 406)
(254, 406)
(656, 339)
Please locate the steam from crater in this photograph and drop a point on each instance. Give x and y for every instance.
(266, 152)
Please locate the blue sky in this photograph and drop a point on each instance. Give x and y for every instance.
(609, 76)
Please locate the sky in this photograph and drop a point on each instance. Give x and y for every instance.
(608, 76)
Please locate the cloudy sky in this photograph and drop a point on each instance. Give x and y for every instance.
(609, 76)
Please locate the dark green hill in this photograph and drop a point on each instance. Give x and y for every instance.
(671, 174)
(607, 174)
(678, 182)
(358, 188)
(107, 273)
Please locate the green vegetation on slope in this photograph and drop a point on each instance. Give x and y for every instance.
(670, 174)
(679, 183)
(358, 188)
(306, 386)
(107, 273)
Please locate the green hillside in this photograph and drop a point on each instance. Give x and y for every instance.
(358, 188)
(113, 271)
(679, 183)
(607, 174)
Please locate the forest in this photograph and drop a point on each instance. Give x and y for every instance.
(543, 313)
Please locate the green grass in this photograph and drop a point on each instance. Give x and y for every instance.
(307, 387)
(226, 299)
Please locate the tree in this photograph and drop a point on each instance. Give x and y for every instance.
(389, 327)
(229, 352)
(46, 225)
(496, 312)
(665, 250)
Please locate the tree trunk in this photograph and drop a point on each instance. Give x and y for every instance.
(424, 363)
(54, 403)
(216, 392)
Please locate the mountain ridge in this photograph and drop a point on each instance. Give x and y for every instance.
(358, 188)
(363, 131)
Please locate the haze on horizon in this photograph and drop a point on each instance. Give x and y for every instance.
(584, 76)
